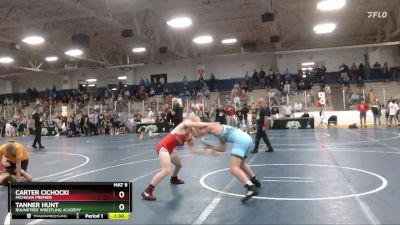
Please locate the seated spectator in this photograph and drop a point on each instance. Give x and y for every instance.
(355, 98)
(298, 106)
(377, 65)
(244, 86)
(243, 96)
(152, 92)
(360, 82)
(274, 110)
(288, 110)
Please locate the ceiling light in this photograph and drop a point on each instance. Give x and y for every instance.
(140, 49)
(122, 78)
(229, 41)
(324, 28)
(74, 52)
(92, 85)
(330, 4)
(91, 80)
(308, 64)
(180, 22)
(33, 40)
(203, 39)
(51, 58)
(83, 85)
(114, 89)
(310, 68)
(6, 59)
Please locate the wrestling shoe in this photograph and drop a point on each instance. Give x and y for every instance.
(270, 150)
(251, 191)
(148, 197)
(256, 182)
(175, 180)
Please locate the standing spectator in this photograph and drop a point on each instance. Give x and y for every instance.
(185, 82)
(177, 112)
(363, 108)
(328, 93)
(354, 72)
(38, 131)
(212, 82)
(255, 79)
(377, 112)
(392, 107)
(262, 115)
(230, 114)
(246, 84)
(385, 72)
(150, 115)
(261, 76)
(371, 97)
(361, 71)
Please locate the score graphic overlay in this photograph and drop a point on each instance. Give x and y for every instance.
(72, 200)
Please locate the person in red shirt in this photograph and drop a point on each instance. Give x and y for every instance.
(363, 108)
(230, 114)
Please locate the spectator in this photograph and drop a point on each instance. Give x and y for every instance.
(377, 65)
(150, 115)
(185, 82)
(298, 106)
(354, 72)
(243, 96)
(261, 76)
(371, 97)
(212, 82)
(246, 83)
(177, 112)
(274, 110)
(355, 98)
(220, 115)
(385, 72)
(230, 114)
(287, 75)
(147, 85)
(360, 82)
(377, 112)
(288, 110)
(393, 109)
(363, 108)
(328, 93)
(255, 79)
(361, 71)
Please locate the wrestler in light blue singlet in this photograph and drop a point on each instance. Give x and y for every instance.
(241, 141)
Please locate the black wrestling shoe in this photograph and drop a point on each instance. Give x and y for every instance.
(256, 182)
(34, 146)
(270, 150)
(254, 151)
(251, 191)
(41, 147)
(175, 180)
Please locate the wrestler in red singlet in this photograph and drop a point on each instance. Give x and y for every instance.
(168, 156)
(171, 141)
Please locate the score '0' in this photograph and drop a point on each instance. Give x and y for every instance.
(121, 194)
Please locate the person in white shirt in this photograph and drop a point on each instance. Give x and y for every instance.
(328, 93)
(393, 108)
(288, 110)
(150, 116)
(298, 106)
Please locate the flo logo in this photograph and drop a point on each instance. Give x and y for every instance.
(378, 15)
(293, 125)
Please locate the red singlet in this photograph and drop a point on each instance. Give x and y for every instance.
(170, 142)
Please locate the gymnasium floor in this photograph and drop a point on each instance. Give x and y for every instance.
(321, 176)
